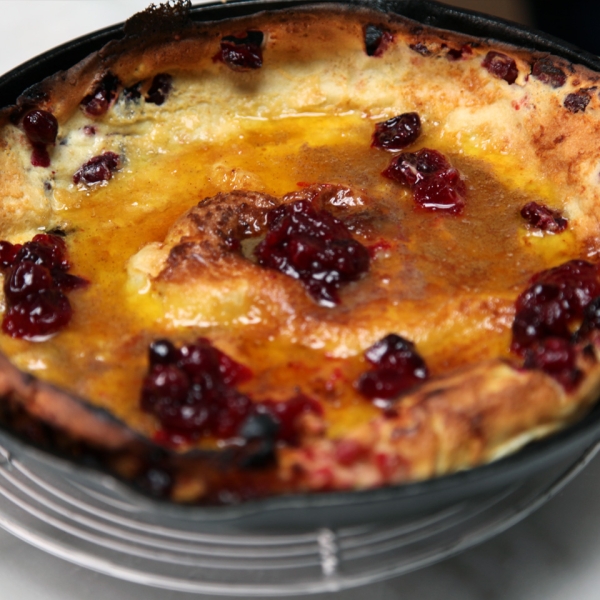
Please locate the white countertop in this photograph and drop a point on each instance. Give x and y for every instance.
(552, 555)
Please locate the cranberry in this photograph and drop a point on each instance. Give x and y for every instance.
(97, 169)
(577, 102)
(420, 48)
(555, 299)
(40, 156)
(8, 253)
(591, 319)
(557, 358)
(287, 413)
(242, 53)
(398, 132)
(398, 367)
(377, 39)
(162, 352)
(37, 316)
(41, 127)
(35, 280)
(543, 218)
(132, 93)
(189, 390)
(159, 89)
(409, 168)
(501, 66)
(98, 102)
(314, 247)
(45, 249)
(547, 72)
(26, 279)
(442, 191)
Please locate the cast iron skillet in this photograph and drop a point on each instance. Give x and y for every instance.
(351, 507)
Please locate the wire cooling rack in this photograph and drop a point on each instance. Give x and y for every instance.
(92, 520)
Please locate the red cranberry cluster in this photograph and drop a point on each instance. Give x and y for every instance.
(97, 169)
(377, 39)
(397, 367)
(556, 301)
(41, 129)
(35, 285)
(312, 246)
(543, 218)
(191, 390)
(502, 66)
(243, 52)
(437, 186)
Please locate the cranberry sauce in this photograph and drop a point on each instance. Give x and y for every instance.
(501, 66)
(243, 52)
(35, 286)
(377, 39)
(436, 185)
(97, 169)
(41, 129)
(398, 132)
(397, 367)
(312, 246)
(191, 391)
(553, 314)
(539, 216)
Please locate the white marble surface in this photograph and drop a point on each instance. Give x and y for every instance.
(553, 555)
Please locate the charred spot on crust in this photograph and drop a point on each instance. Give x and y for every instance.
(548, 72)
(376, 39)
(168, 16)
(242, 52)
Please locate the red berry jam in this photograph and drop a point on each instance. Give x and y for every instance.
(547, 72)
(436, 185)
(576, 102)
(501, 66)
(98, 102)
(97, 169)
(159, 89)
(397, 367)
(191, 392)
(35, 283)
(377, 39)
(242, 53)
(543, 218)
(398, 132)
(312, 246)
(547, 313)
